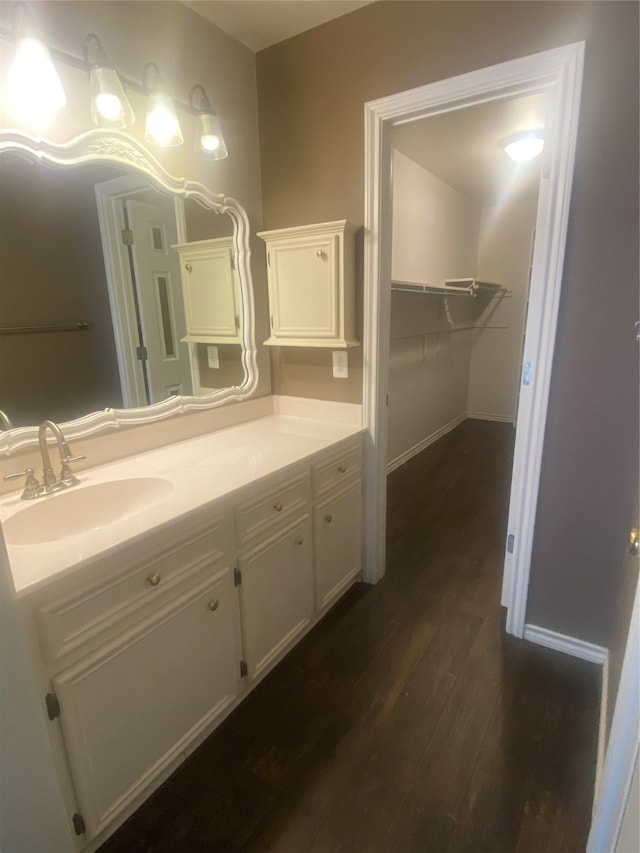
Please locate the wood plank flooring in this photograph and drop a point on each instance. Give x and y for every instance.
(407, 720)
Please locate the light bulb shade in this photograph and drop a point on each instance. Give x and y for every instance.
(523, 147)
(162, 126)
(34, 91)
(209, 139)
(110, 106)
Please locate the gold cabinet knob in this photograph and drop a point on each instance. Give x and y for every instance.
(342, 469)
(213, 605)
(188, 267)
(299, 540)
(320, 254)
(634, 542)
(154, 579)
(328, 518)
(278, 507)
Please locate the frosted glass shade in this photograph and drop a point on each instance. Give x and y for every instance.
(34, 91)
(525, 147)
(209, 139)
(110, 106)
(162, 126)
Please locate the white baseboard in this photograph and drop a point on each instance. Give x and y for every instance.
(568, 645)
(421, 445)
(485, 416)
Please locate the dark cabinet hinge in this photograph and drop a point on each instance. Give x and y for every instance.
(78, 824)
(141, 353)
(53, 706)
(237, 576)
(127, 237)
(243, 669)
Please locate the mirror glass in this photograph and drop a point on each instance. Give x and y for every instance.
(92, 302)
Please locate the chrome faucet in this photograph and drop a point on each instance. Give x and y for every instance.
(49, 480)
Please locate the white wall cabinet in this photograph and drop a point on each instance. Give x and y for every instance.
(142, 652)
(211, 291)
(311, 274)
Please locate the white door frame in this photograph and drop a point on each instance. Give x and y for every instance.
(621, 757)
(559, 72)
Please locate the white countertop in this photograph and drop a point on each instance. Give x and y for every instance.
(200, 470)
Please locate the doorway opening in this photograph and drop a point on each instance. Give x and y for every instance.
(556, 75)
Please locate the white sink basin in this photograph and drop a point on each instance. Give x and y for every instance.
(83, 508)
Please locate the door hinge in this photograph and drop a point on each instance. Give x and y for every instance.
(141, 353)
(237, 321)
(127, 236)
(244, 670)
(511, 541)
(271, 318)
(53, 706)
(268, 259)
(233, 262)
(237, 576)
(79, 826)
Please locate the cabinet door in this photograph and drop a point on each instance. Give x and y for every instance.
(337, 544)
(303, 285)
(276, 594)
(129, 710)
(210, 295)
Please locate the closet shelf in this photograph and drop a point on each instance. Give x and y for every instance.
(450, 287)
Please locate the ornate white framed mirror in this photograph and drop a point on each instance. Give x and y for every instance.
(94, 222)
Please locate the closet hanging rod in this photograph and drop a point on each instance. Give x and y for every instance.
(79, 326)
(442, 332)
(451, 287)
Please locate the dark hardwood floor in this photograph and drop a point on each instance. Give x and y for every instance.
(407, 720)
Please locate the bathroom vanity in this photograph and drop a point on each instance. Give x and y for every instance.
(158, 591)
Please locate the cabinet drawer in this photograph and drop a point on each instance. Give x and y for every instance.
(78, 616)
(272, 507)
(334, 471)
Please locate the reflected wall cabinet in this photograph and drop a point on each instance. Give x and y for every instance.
(311, 272)
(211, 291)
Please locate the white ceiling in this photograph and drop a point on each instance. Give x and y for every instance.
(462, 148)
(261, 23)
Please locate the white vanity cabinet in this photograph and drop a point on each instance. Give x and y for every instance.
(143, 650)
(275, 570)
(211, 291)
(311, 275)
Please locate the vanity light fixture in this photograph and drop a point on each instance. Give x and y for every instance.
(162, 126)
(524, 145)
(110, 106)
(209, 139)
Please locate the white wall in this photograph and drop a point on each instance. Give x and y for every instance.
(504, 246)
(438, 373)
(435, 228)
(435, 236)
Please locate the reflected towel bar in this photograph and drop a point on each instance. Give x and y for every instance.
(80, 326)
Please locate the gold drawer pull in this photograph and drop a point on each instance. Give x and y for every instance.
(278, 507)
(153, 579)
(188, 267)
(342, 469)
(328, 518)
(299, 540)
(213, 605)
(320, 254)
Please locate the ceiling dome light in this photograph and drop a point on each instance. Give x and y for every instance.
(522, 147)
(110, 106)
(34, 90)
(209, 139)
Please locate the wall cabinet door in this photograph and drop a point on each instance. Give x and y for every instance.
(276, 594)
(129, 710)
(337, 544)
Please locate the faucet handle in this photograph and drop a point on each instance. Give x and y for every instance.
(32, 487)
(67, 477)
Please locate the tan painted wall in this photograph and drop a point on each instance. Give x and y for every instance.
(312, 89)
